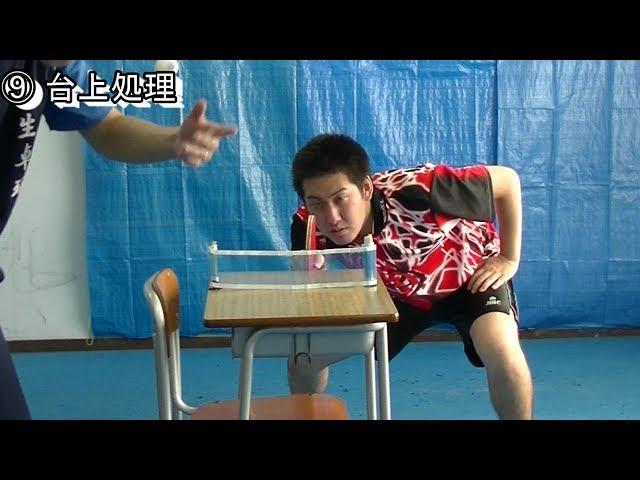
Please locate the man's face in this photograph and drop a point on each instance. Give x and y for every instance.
(340, 207)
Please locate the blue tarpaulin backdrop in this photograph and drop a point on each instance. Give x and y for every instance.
(571, 129)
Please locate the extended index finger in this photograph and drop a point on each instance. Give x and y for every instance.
(222, 130)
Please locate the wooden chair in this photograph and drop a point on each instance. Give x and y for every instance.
(162, 292)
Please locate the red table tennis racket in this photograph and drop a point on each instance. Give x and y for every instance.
(311, 243)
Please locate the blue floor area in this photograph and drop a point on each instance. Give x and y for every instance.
(581, 378)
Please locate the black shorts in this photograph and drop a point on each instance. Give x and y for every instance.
(459, 309)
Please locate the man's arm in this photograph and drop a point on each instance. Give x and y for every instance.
(508, 203)
(497, 270)
(133, 140)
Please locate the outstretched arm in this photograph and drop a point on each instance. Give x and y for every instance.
(132, 140)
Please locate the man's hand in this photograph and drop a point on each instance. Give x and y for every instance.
(198, 139)
(494, 272)
(308, 262)
(316, 262)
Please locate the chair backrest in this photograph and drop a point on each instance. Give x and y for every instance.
(165, 284)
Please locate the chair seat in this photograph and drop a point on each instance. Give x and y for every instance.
(300, 406)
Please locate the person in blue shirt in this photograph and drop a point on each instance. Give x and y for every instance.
(109, 132)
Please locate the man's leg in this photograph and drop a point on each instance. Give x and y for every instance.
(12, 403)
(310, 374)
(495, 338)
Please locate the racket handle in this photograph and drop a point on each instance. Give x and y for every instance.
(310, 241)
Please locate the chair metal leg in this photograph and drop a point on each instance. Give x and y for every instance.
(175, 340)
(163, 389)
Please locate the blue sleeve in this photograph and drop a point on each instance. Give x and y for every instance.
(65, 119)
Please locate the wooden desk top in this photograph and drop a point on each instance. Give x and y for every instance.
(299, 308)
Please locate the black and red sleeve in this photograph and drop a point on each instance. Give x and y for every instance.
(463, 192)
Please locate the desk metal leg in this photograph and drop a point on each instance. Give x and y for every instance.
(383, 372)
(382, 369)
(246, 373)
(370, 381)
(244, 389)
